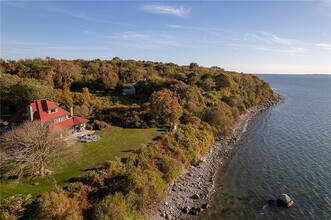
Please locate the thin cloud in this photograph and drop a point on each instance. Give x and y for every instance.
(17, 4)
(15, 48)
(166, 9)
(324, 46)
(84, 16)
(134, 35)
(292, 51)
(145, 40)
(22, 43)
(271, 38)
(74, 14)
(213, 31)
(174, 26)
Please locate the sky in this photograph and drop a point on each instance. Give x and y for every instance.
(244, 36)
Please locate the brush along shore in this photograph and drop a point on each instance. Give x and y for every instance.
(191, 193)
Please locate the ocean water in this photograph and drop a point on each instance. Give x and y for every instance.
(286, 149)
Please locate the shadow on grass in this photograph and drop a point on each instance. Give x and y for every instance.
(19, 178)
(131, 151)
(93, 169)
(156, 138)
(82, 179)
(76, 179)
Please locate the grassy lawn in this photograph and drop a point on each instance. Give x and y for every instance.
(114, 142)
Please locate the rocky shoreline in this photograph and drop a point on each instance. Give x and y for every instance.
(191, 192)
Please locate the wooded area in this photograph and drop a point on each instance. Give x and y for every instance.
(204, 102)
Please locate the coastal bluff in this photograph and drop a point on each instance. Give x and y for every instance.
(191, 192)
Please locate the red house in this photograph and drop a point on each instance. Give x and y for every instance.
(47, 111)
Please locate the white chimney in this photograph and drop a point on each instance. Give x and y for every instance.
(71, 112)
(30, 112)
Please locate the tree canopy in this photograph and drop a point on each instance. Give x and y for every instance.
(165, 106)
(29, 148)
(204, 102)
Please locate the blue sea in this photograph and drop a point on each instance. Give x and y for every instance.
(286, 149)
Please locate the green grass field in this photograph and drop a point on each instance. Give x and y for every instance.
(114, 142)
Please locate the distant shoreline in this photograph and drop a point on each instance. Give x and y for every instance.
(298, 74)
(193, 190)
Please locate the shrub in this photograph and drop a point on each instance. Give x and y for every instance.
(74, 189)
(89, 126)
(114, 165)
(94, 178)
(99, 125)
(147, 188)
(191, 119)
(220, 118)
(171, 168)
(112, 207)
(56, 205)
(133, 122)
(14, 207)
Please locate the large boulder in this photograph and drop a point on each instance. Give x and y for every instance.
(285, 201)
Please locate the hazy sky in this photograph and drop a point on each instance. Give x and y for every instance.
(246, 36)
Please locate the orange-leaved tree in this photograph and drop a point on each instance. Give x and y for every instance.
(165, 107)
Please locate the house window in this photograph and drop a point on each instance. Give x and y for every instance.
(53, 110)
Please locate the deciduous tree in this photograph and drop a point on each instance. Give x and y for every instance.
(165, 106)
(15, 90)
(109, 79)
(57, 205)
(30, 147)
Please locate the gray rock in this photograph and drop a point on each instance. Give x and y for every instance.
(194, 212)
(285, 201)
(186, 209)
(195, 196)
(199, 209)
(205, 206)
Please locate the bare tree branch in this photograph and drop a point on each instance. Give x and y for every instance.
(30, 148)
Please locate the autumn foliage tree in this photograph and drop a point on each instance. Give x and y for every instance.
(66, 72)
(113, 207)
(29, 148)
(57, 205)
(109, 79)
(165, 107)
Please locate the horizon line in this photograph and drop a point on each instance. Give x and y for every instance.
(228, 70)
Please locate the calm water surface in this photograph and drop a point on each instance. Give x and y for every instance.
(286, 149)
